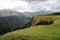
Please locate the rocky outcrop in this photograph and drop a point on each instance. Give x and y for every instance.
(42, 20)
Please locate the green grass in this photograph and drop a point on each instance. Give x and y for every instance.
(41, 32)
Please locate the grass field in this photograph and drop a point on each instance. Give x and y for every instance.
(41, 32)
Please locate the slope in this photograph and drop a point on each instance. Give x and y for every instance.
(42, 32)
(12, 20)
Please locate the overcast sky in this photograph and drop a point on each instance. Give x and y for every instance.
(31, 5)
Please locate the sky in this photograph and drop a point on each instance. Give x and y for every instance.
(31, 5)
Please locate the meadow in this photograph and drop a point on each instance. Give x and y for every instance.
(39, 32)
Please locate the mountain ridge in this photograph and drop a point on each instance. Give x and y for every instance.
(12, 20)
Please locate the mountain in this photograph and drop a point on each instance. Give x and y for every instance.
(55, 13)
(30, 14)
(12, 20)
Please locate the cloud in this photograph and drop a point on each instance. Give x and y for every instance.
(30, 5)
(47, 5)
(10, 5)
(57, 6)
(35, 0)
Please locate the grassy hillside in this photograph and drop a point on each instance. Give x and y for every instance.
(41, 32)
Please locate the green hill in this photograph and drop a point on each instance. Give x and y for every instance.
(41, 32)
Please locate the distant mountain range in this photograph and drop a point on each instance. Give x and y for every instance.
(30, 14)
(55, 13)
